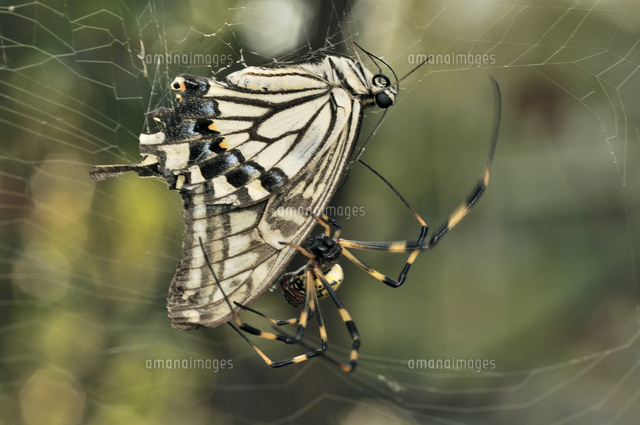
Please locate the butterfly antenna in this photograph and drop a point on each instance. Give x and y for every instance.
(372, 57)
(398, 81)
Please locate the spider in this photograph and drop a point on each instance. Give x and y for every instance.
(322, 275)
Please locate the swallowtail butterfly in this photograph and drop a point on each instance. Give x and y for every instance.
(270, 139)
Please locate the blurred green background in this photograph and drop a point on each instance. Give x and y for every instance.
(541, 278)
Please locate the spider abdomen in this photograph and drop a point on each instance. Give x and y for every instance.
(293, 284)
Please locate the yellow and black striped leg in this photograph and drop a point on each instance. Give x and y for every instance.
(277, 322)
(462, 210)
(454, 218)
(415, 246)
(401, 246)
(325, 221)
(382, 278)
(351, 326)
(299, 248)
(311, 302)
(473, 197)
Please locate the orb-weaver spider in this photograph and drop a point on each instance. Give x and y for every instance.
(321, 276)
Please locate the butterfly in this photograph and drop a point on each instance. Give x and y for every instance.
(269, 140)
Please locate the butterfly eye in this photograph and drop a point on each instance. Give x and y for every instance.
(383, 100)
(381, 81)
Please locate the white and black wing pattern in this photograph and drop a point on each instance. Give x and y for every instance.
(271, 137)
(244, 245)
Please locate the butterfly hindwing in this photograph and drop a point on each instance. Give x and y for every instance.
(244, 245)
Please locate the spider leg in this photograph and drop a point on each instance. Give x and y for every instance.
(311, 301)
(473, 197)
(276, 322)
(351, 326)
(299, 248)
(454, 218)
(414, 246)
(323, 221)
(402, 246)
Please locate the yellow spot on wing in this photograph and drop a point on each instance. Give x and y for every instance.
(180, 82)
(222, 144)
(213, 127)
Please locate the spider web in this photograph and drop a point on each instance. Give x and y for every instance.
(537, 287)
